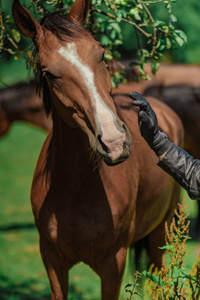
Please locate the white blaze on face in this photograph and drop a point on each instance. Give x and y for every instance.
(111, 136)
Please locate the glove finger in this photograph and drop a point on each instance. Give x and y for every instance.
(139, 100)
(143, 104)
(144, 119)
(135, 95)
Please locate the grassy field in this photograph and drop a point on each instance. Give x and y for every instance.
(22, 275)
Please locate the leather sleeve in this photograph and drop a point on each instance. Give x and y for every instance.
(183, 168)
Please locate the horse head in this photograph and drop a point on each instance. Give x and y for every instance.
(78, 83)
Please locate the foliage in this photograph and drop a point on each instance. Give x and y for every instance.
(131, 288)
(153, 35)
(187, 13)
(105, 23)
(171, 282)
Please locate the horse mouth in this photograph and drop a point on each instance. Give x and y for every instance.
(114, 163)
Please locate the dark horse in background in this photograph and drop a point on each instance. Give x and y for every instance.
(94, 192)
(20, 102)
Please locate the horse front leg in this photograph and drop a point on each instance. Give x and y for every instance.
(111, 273)
(56, 269)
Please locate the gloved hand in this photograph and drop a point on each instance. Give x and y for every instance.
(148, 125)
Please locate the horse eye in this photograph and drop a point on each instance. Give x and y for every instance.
(50, 76)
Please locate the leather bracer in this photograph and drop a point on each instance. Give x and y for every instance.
(183, 168)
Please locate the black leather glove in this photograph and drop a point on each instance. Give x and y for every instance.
(148, 125)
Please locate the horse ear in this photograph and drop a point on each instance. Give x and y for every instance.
(28, 26)
(79, 10)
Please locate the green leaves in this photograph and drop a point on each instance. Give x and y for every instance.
(155, 278)
(105, 41)
(131, 288)
(135, 13)
(16, 35)
(154, 36)
(166, 247)
(105, 22)
(180, 37)
(117, 78)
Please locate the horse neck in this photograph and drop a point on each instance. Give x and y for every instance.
(70, 149)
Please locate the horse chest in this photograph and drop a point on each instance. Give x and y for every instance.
(82, 224)
(86, 216)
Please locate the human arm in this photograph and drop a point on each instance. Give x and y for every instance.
(172, 159)
(183, 168)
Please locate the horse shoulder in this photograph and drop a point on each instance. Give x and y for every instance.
(41, 177)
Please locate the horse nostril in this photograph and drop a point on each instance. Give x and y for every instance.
(104, 147)
(123, 126)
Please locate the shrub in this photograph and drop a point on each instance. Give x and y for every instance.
(171, 281)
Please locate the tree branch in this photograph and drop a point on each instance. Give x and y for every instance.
(148, 35)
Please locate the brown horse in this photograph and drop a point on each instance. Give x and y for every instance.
(20, 102)
(90, 196)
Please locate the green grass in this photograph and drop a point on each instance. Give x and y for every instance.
(22, 274)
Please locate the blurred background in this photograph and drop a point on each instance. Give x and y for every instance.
(22, 275)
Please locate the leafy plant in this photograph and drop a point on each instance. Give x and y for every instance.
(171, 282)
(105, 23)
(153, 36)
(131, 288)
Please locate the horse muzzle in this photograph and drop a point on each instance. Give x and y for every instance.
(115, 148)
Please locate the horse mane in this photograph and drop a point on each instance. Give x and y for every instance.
(64, 29)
